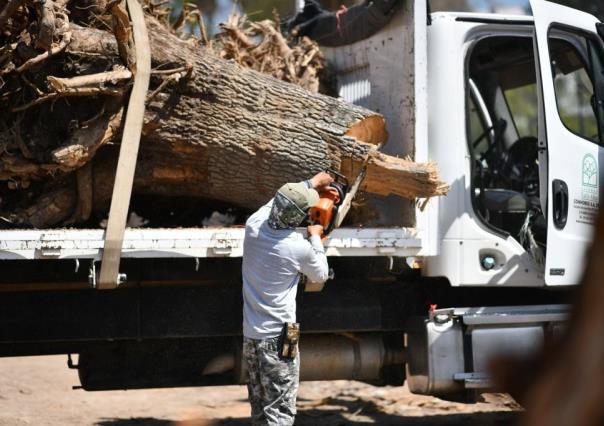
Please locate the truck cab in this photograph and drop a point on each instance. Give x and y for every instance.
(521, 98)
(516, 126)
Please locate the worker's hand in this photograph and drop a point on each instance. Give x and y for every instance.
(321, 180)
(334, 192)
(314, 230)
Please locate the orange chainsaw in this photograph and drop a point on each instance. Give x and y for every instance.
(325, 212)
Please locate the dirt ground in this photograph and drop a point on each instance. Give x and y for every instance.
(38, 391)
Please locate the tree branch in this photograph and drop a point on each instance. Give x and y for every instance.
(93, 91)
(42, 57)
(90, 81)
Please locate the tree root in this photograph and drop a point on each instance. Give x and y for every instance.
(9, 10)
(171, 78)
(86, 141)
(90, 81)
(83, 207)
(93, 91)
(300, 64)
(47, 24)
(50, 209)
(123, 34)
(49, 53)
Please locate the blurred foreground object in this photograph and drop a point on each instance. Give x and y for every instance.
(569, 390)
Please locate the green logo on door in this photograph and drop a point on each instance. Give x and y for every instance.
(590, 171)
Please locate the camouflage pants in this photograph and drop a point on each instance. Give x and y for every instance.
(272, 382)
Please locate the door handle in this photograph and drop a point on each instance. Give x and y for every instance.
(560, 203)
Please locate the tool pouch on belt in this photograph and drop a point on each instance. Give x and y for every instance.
(288, 343)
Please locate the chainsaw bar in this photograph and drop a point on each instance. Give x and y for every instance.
(345, 206)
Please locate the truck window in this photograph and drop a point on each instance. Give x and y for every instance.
(502, 112)
(573, 84)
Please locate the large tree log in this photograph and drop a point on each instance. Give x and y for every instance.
(236, 135)
(217, 130)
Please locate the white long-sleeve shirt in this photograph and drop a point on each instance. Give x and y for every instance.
(272, 262)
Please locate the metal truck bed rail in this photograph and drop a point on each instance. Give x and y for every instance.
(192, 242)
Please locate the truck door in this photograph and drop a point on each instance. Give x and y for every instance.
(570, 134)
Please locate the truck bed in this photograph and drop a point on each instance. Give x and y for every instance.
(386, 73)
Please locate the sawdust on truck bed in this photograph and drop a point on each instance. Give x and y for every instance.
(38, 391)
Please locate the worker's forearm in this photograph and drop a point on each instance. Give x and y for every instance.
(317, 244)
(320, 266)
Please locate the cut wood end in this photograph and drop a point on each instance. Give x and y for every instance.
(370, 130)
(392, 175)
(71, 157)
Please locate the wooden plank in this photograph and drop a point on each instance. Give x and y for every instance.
(122, 189)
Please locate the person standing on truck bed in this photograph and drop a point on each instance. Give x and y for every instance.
(274, 255)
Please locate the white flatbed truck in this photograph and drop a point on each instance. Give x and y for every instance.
(511, 108)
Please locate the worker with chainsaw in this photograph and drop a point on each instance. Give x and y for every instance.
(274, 256)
